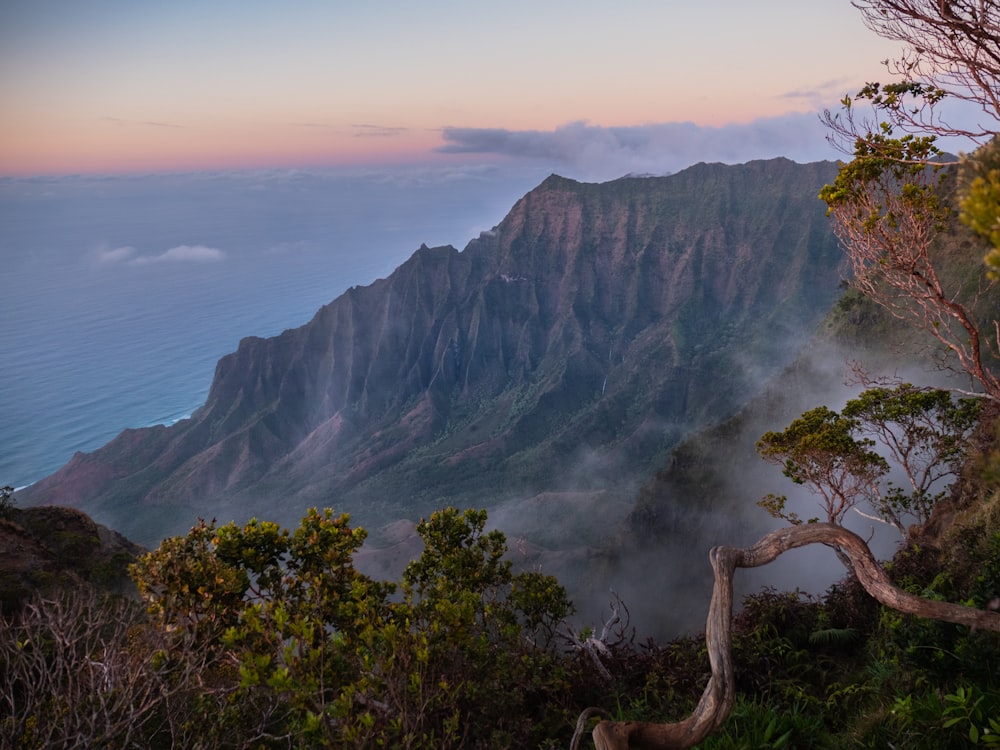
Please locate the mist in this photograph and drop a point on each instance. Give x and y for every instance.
(124, 292)
(714, 480)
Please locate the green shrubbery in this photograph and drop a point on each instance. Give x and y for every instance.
(6, 501)
(259, 636)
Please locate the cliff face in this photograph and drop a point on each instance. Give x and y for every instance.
(566, 350)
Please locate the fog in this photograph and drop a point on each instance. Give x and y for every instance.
(666, 583)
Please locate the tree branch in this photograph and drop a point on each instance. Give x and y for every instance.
(717, 700)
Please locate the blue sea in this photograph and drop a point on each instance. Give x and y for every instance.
(119, 294)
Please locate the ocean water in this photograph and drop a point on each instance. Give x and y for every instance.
(119, 294)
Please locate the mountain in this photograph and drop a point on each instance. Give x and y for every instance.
(543, 372)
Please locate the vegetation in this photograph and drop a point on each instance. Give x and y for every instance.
(260, 636)
(923, 430)
(889, 203)
(46, 549)
(6, 501)
(980, 199)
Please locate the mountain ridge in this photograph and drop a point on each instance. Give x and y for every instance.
(563, 350)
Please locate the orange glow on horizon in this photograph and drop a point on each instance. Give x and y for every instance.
(113, 148)
(111, 88)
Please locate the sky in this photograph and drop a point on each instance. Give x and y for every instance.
(604, 88)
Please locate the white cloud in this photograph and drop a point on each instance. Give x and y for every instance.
(588, 151)
(180, 254)
(183, 253)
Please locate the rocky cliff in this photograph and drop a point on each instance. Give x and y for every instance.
(558, 356)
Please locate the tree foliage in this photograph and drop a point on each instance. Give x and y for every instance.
(455, 656)
(980, 199)
(836, 455)
(925, 432)
(820, 449)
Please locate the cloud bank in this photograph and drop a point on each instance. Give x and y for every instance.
(594, 152)
(179, 254)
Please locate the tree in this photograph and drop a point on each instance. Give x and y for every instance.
(926, 433)
(323, 656)
(923, 430)
(720, 693)
(478, 636)
(279, 606)
(6, 501)
(889, 204)
(820, 449)
(888, 212)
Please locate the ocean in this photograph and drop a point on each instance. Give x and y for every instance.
(119, 294)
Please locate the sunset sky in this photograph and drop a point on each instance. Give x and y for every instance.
(105, 86)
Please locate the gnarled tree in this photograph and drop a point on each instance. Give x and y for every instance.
(717, 699)
(925, 431)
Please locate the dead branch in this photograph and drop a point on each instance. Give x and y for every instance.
(615, 631)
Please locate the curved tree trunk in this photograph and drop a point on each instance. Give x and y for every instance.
(717, 700)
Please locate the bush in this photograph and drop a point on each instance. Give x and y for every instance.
(457, 655)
